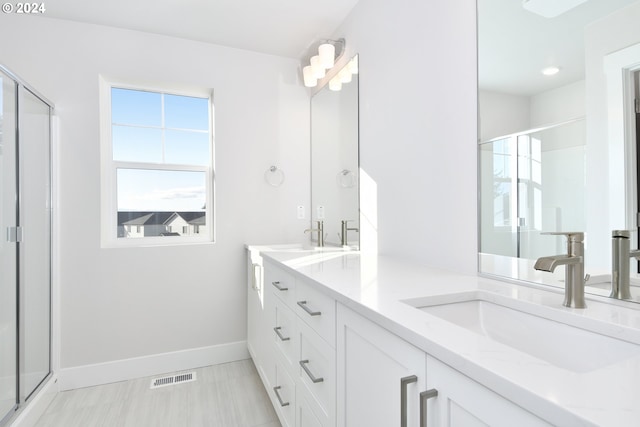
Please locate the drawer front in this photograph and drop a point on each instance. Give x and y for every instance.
(285, 337)
(317, 310)
(304, 414)
(283, 396)
(280, 283)
(317, 371)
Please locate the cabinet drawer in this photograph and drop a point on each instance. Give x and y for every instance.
(304, 414)
(283, 395)
(317, 371)
(280, 283)
(317, 310)
(284, 336)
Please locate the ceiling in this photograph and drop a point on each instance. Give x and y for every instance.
(514, 45)
(278, 27)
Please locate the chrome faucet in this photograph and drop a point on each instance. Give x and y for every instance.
(320, 230)
(621, 255)
(345, 231)
(574, 268)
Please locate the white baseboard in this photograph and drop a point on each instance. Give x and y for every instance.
(127, 369)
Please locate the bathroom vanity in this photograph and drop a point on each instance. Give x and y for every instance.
(342, 338)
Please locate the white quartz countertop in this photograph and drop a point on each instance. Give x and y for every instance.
(375, 287)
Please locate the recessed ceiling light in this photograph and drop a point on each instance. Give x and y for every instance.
(550, 71)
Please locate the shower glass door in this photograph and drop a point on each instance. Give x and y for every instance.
(25, 244)
(35, 246)
(8, 253)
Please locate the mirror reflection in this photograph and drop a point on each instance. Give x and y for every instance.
(557, 88)
(334, 159)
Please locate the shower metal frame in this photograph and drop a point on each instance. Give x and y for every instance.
(22, 400)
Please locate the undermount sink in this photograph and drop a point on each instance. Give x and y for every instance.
(559, 344)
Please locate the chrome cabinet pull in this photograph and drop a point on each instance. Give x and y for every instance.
(312, 377)
(404, 382)
(424, 396)
(279, 334)
(282, 403)
(278, 287)
(310, 312)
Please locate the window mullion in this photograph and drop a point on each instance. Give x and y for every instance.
(162, 124)
(160, 166)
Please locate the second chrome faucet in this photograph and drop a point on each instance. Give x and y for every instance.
(320, 230)
(621, 255)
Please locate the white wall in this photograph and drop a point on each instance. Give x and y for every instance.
(503, 114)
(418, 131)
(126, 303)
(558, 105)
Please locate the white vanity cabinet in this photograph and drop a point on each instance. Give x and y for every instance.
(380, 376)
(325, 365)
(257, 337)
(300, 329)
(462, 402)
(383, 380)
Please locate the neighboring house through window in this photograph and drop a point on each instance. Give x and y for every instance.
(157, 153)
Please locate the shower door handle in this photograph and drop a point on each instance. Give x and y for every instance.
(14, 234)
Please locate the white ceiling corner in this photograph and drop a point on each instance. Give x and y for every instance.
(276, 27)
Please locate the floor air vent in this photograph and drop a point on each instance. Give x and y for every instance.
(173, 379)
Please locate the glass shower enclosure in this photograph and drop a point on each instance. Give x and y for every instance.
(530, 182)
(25, 243)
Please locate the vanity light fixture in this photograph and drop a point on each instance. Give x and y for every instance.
(318, 69)
(345, 75)
(327, 53)
(550, 71)
(353, 65)
(335, 84)
(309, 79)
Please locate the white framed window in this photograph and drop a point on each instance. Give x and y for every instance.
(157, 166)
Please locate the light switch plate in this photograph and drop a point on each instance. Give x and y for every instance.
(300, 212)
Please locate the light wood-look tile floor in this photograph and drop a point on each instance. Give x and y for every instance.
(226, 395)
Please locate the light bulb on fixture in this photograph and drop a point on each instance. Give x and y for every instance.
(353, 66)
(335, 84)
(318, 70)
(344, 75)
(326, 52)
(309, 78)
(550, 71)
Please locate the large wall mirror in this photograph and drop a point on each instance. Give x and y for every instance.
(557, 151)
(334, 158)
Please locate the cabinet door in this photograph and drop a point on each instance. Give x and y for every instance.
(255, 306)
(462, 402)
(371, 366)
(264, 356)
